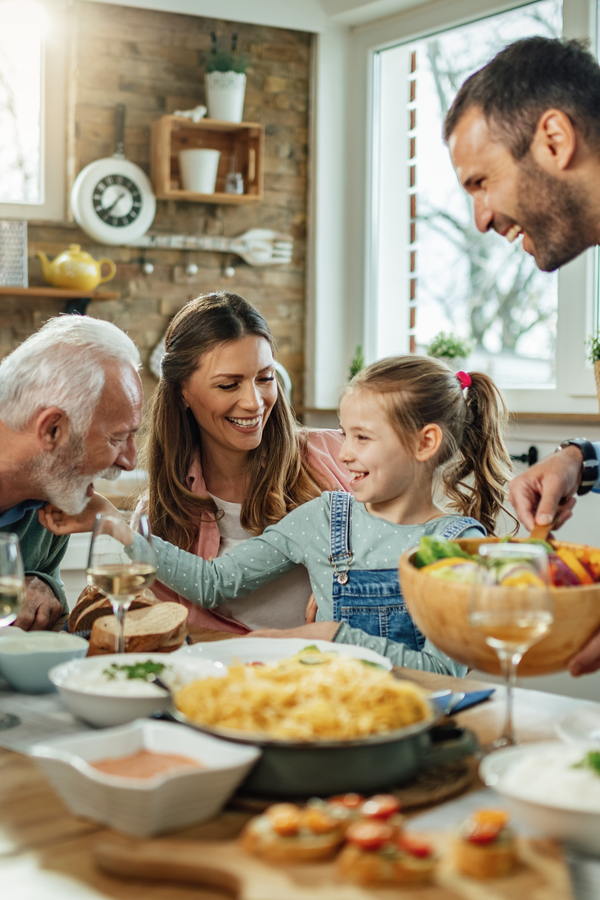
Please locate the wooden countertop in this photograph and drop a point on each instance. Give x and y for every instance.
(45, 853)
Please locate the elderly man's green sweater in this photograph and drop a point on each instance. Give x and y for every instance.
(42, 552)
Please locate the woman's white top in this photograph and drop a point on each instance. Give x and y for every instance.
(279, 604)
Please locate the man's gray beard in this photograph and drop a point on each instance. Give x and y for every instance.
(58, 476)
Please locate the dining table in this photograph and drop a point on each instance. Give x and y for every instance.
(46, 853)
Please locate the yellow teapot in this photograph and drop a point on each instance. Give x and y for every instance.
(75, 269)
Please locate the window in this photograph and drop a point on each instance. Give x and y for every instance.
(32, 101)
(427, 268)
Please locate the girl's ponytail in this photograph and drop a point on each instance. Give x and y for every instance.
(481, 454)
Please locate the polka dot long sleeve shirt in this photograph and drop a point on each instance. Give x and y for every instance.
(303, 537)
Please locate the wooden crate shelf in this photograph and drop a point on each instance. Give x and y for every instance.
(245, 140)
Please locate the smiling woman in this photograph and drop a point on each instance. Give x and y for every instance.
(226, 457)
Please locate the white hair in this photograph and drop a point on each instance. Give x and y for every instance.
(63, 364)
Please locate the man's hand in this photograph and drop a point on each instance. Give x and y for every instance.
(537, 492)
(321, 631)
(588, 658)
(41, 608)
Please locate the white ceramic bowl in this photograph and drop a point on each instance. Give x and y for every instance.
(100, 704)
(26, 657)
(574, 818)
(268, 650)
(144, 806)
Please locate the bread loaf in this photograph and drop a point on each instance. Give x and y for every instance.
(92, 604)
(158, 628)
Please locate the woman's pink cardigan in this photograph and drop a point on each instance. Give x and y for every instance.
(323, 454)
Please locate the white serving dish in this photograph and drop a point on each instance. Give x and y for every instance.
(565, 821)
(26, 657)
(268, 650)
(144, 806)
(101, 707)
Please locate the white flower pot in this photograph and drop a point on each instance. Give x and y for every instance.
(456, 363)
(225, 95)
(198, 169)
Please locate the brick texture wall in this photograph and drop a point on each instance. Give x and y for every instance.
(153, 62)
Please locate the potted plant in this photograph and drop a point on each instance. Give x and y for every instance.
(450, 348)
(593, 346)
(225, 81)
(357, 363)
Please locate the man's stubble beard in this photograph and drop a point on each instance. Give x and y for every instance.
(58, 475)
(554, 215)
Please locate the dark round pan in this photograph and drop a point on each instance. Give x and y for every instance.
(366, 765)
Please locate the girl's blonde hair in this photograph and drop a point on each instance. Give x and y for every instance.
(419, 391)
(279, 475)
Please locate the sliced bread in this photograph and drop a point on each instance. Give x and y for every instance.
(93, 604)
(158, 627)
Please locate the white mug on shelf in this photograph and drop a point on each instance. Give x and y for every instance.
(198, 170)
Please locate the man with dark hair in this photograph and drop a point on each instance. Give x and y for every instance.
(524, 137)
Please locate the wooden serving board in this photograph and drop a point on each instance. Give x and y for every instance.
(542, 873)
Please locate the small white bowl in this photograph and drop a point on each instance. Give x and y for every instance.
(144, 806)
(26, 657)
(101, 705)
(577, 822)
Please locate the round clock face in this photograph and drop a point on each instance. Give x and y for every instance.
(117, 200)
(113, 201)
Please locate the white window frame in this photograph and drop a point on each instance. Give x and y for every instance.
(53, 125)
(575, 391)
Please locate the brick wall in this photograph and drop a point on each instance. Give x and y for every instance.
(153, 62)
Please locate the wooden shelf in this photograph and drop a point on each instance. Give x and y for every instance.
(57, 293)
(244, 140)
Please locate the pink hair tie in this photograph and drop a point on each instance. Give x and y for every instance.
(465, 379)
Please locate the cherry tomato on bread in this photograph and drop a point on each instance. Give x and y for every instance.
(369, 835)
(350, 801)
(381, 806)
(415, 846)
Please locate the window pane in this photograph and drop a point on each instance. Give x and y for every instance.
(476, 286)
(21, 29)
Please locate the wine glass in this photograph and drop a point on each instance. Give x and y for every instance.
(121, 571)
(12, 578)
(12, 595)
(511, 604)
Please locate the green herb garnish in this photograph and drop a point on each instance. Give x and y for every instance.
(141, 670)
(591, 761)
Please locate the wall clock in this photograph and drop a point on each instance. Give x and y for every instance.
(112, 199)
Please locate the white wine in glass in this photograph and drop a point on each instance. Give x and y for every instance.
(119, 570)
(12, 579)
(511, 605)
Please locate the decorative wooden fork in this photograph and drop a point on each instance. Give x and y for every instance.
(257, 247)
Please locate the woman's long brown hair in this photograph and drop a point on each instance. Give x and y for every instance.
(420, 391)
(279, 476)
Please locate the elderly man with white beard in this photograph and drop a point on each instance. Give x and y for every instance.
(70, 405)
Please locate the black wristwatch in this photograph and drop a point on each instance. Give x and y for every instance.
(591, 467)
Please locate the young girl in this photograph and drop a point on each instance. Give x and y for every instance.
(405, 420)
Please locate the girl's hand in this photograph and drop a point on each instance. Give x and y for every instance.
(321, 631)
(311, 610)
(59, 522)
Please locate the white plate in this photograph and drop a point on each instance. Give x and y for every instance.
(269, 650)
(580, 726)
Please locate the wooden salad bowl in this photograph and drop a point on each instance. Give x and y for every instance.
(440, 610)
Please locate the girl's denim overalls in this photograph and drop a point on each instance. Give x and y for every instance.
(371, 599)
